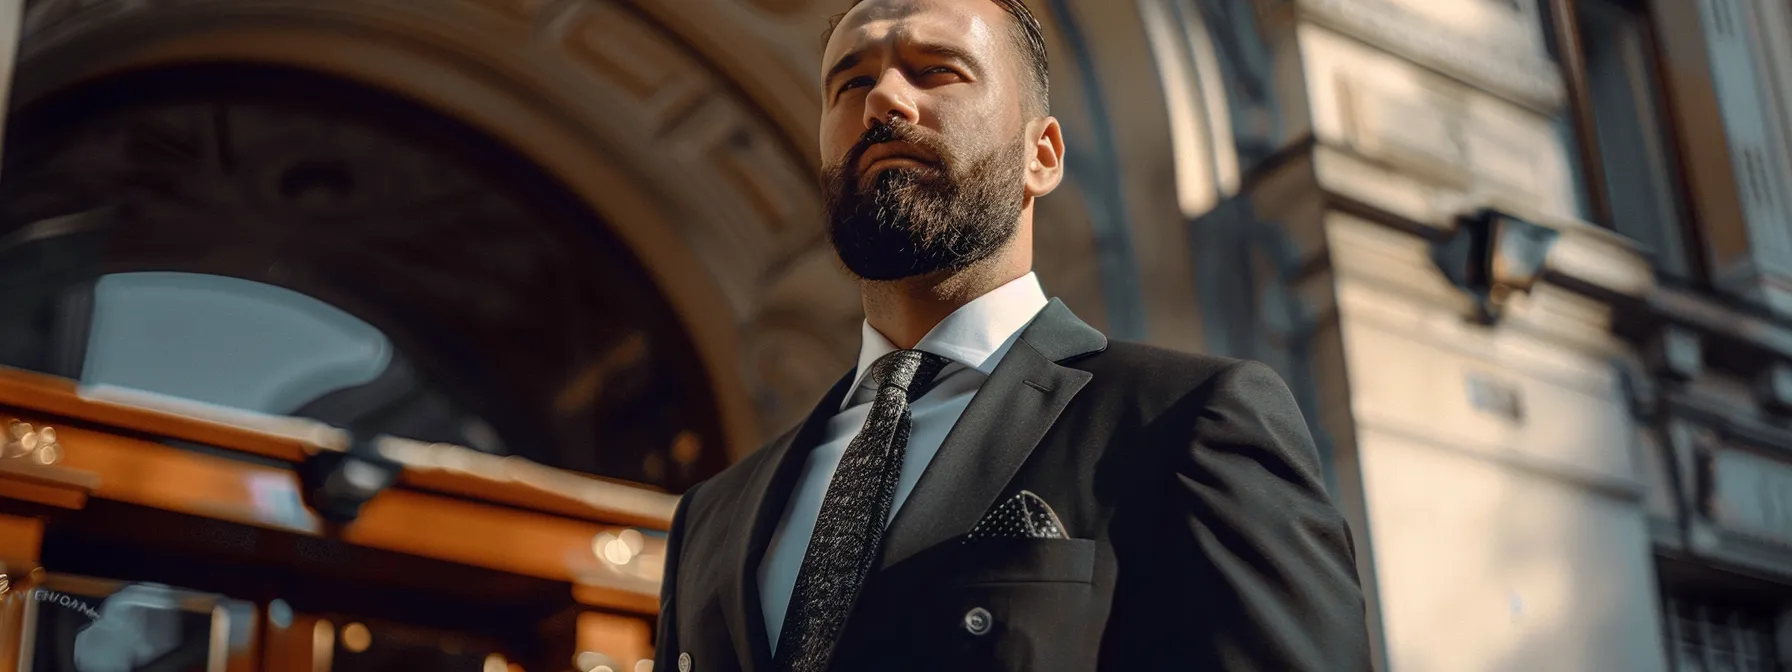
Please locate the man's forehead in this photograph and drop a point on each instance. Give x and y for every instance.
(956, 22)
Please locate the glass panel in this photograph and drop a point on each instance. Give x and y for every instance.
(1633, 142)
(1636, 152)
(226, 341)
(91, 625)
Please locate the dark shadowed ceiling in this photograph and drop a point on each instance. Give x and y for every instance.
(296, 244)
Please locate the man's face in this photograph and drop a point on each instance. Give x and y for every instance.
(924, 145)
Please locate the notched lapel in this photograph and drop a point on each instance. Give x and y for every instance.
(1006, 419)
(762, 506)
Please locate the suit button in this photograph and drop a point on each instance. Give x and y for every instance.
(977, 621)
(684, 662)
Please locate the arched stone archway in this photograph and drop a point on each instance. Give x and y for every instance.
(688, 127)
(706, 187)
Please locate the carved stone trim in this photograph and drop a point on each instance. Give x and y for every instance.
(1724, 422)
(12, 16)
(1732, 484)
(1521, 74)
(1737, 342)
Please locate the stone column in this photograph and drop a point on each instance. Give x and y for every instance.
(1487, 471)
(12, 15)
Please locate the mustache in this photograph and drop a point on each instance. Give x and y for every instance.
(896, 130)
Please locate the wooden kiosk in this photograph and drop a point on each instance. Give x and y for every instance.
(144, 533)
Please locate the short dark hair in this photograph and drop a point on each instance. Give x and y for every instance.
(1029, 40)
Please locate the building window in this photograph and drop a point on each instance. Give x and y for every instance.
(1708, 636)
(1629, 177)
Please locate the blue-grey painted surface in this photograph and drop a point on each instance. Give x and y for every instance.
(1247, 65)
(226, 341)
(1098, 171)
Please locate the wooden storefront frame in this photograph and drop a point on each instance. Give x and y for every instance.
(501, 514)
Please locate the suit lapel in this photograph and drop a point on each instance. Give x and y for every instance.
(1010, 413)
(763, 500)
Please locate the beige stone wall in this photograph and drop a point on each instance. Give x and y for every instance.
(1491, 472)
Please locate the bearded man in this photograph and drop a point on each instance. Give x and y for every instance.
(997, 485)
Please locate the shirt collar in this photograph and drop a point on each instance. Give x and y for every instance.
(975, 335)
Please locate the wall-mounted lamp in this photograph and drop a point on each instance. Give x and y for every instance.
(1492, 255)
(336, 484)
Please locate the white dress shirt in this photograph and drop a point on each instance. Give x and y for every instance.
(974, 338)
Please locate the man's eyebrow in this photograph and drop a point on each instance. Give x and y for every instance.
(846, 62)
(852, 59)
(949, 51)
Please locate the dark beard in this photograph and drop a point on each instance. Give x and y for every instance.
(918, 220)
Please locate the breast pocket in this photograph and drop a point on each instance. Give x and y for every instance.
(1019, 604)
(999, 561)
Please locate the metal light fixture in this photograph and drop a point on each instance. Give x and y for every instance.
(1492, 255)
(336, 484)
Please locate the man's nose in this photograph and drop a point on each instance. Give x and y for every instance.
(892, 96)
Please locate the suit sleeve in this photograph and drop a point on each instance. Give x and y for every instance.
(665, 647)
(1266, 573)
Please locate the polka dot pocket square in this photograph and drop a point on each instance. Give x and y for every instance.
(1023, 516)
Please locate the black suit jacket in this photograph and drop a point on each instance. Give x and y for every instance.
(1202, 537)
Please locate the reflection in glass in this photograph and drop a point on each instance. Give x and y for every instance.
(87, 625)
(226, 341)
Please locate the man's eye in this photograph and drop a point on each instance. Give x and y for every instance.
(937, 70)
(855, 83)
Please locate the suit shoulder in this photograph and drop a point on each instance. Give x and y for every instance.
(1155, 381)
(1150, 365)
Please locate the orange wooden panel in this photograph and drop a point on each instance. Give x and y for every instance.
(625, 639)
(59, 396)
(52, 485)
(499, 538)
(38, 493)
(416, 523)
(55, 475)
(577, 496)
(12, 625)
(442, 468)
(172, 479)
(21, 539)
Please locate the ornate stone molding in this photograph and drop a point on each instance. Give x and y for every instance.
(1517, 72)
(1732, 490)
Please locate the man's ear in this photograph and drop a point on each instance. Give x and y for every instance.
(1045, 168)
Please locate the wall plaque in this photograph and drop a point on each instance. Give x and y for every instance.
(1494, 396)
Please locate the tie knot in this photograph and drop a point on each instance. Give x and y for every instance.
(911, 371)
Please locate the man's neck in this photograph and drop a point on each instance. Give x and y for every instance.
(905, 310)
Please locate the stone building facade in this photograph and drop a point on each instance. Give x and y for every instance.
(1594, 474)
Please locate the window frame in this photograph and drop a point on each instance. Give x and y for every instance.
(1563, 17)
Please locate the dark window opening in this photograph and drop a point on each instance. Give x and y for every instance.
(1620, 137)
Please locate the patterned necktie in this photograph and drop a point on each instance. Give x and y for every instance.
(849, 529)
